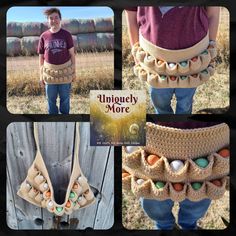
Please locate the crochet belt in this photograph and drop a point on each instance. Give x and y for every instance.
(164, 68)
(177, 144)
(57, 74)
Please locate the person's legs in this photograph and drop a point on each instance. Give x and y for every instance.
(184, 98)
(51, 93)
(190, 212)
(161, 99)
(64, 94)
(160, 212)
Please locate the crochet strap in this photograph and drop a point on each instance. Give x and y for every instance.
(36, 135)
(77, 142)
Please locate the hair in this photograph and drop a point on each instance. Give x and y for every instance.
(49, 11)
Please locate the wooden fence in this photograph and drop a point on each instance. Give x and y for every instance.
(56, 143)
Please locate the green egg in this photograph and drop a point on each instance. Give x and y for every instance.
(183, 63)
(159, 184)
(163, 77)
(205, 52)
(205, 72)
(59, 209)
(202, 162)
(72, 195)
(196, 185)
(183, 77)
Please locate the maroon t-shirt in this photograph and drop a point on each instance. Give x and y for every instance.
(172, 27)
(55, 46)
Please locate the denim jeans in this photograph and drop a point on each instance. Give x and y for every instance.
(52, 92)
(161, 99)
(189, 212)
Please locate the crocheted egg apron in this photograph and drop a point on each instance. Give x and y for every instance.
(179, 144)
(38, 190)
(164, 68)
(58, 74)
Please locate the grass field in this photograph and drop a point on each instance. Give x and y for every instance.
(94, 71)
(213, 94)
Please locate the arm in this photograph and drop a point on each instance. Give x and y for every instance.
(72, 55)
(213, 14)
(132, 24)
(41, 61)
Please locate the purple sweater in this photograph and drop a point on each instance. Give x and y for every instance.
(173, 27)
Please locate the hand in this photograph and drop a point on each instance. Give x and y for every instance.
(41, 83)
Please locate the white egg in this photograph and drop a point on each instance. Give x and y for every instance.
(130, 149)
(50, 204)
(176, 165)
(45, 186)
(140, 181)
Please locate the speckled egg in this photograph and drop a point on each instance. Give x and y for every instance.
(159, 184)
(196, 185)
(176, 165)
(202, 162)
(130, 149)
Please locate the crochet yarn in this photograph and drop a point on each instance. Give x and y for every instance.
(179, 144)
(164, 68)
(57, 74)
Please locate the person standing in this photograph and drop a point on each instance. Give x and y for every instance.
(171, 29)
(56, 62)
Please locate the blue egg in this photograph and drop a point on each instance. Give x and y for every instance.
(202, 162)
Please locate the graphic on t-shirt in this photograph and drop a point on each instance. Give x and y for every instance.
(56, 45)
(164, 10)
(117, 117)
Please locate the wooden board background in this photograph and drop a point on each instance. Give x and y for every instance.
(56, 141)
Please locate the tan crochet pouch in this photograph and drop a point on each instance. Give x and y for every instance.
(160, 194)
(196, 195)
(198, 173)
(195, 63)
(177, 196)
(178, 176)
(141, 190)
(221, 165)
(126, 183)
(215, 192)
(132, 160)
(151, 171)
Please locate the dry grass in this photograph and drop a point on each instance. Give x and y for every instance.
(213, 94)
(95, 71)
(133, 216)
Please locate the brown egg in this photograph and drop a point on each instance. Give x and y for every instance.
(48, 194)
(178, 186)
(152, 159)
(68, 204)
(173, 78)
(125, 174)
(194, 59)
(217, 182)
(75, 186)
(224, 152)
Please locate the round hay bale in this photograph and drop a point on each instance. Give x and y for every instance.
(103, 24)
(13, 46)
(29, 45)
(31, 28)
(71, 25)
(44, 27)
(87, 42)
(105, 41)
(86, 26)
(14, 29)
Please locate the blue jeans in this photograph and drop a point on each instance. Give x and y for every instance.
(161, 99)
(189, 212)
(52, 92)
